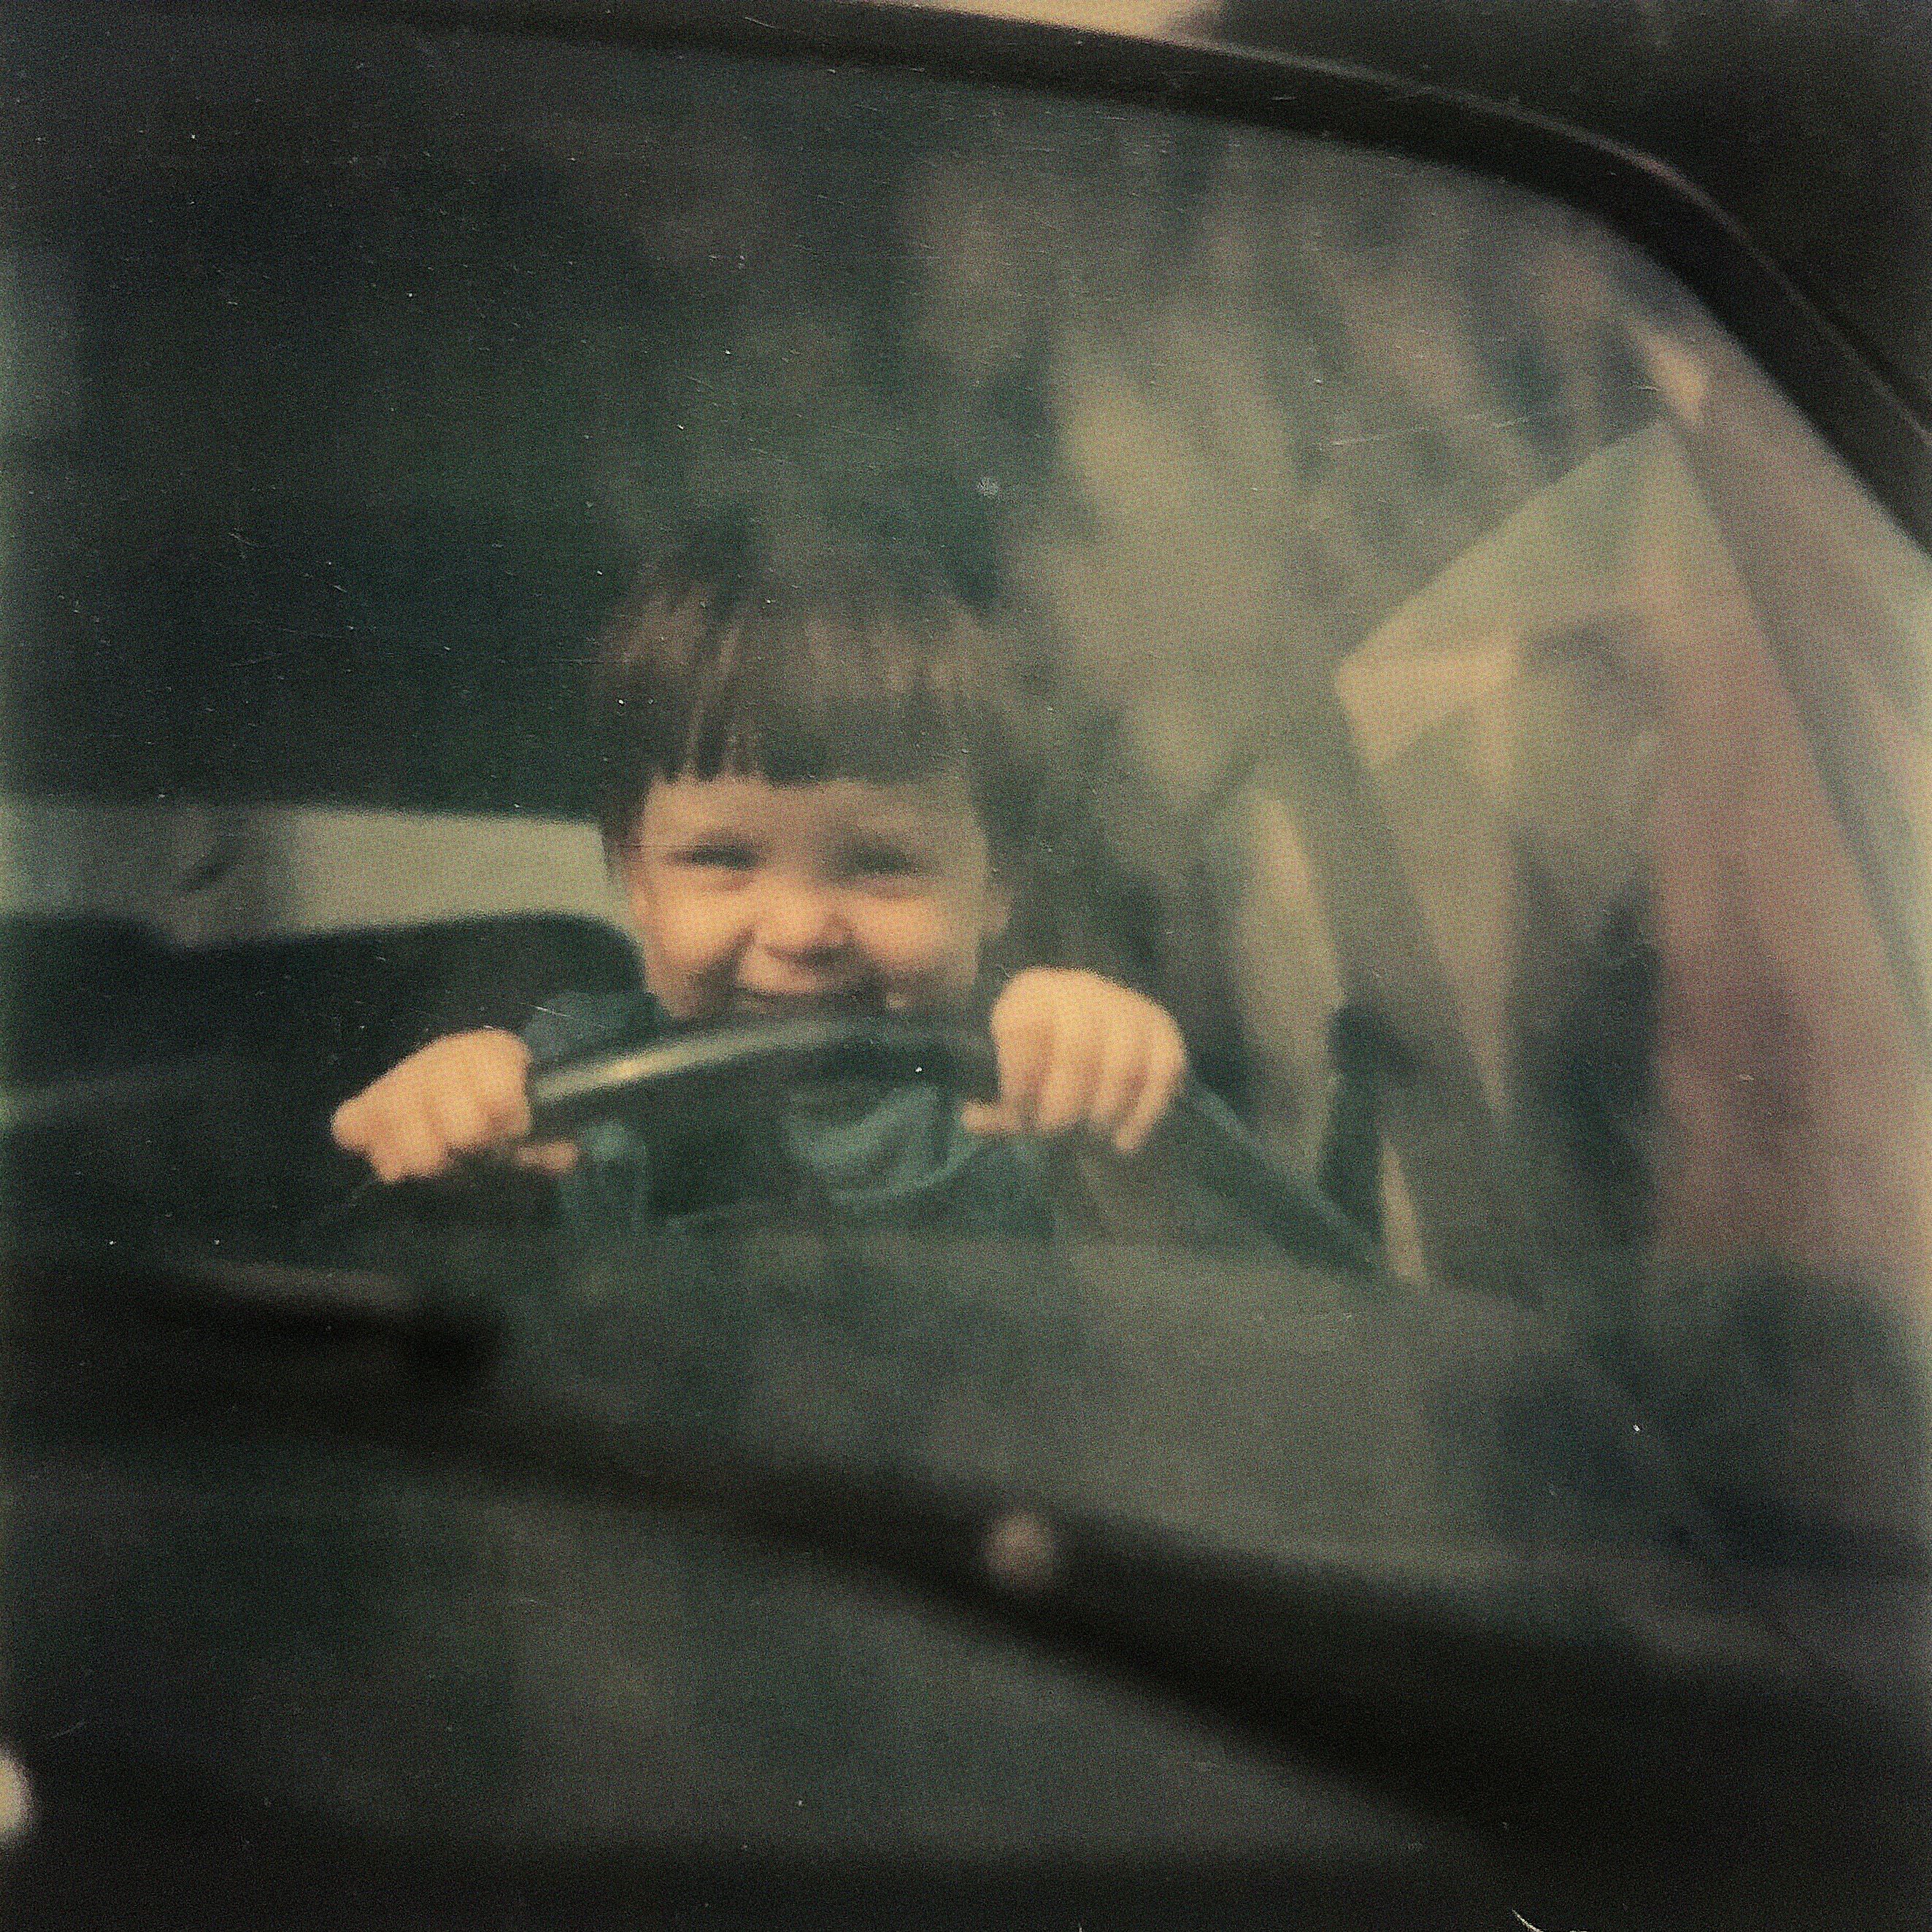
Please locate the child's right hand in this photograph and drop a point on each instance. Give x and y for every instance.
(463, 1094)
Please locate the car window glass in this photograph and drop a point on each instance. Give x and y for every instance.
(1484, 714)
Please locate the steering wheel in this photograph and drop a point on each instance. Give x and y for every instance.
(688, 1087)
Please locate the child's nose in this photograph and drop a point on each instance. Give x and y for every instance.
(802, 916)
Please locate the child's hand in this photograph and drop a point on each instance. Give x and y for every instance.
(1075, 1049)
(462, 1094)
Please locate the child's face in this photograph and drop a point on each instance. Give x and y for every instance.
(754, 899)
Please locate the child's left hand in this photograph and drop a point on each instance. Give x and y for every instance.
(1076, 1050)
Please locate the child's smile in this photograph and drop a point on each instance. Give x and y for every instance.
(754, 899)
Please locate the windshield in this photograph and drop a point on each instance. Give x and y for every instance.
(1453, 687)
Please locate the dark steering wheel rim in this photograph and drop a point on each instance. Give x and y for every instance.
(687, 1085)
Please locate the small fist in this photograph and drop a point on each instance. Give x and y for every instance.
(463, 1094)
(1074, 1050)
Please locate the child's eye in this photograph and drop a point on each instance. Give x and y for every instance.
(891, 863)
(720, 855)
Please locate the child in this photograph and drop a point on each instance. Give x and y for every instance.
(810, 798)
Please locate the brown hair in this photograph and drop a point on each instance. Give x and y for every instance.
(836, 652)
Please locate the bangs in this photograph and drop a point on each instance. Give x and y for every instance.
(800, 676)
(797, 696)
